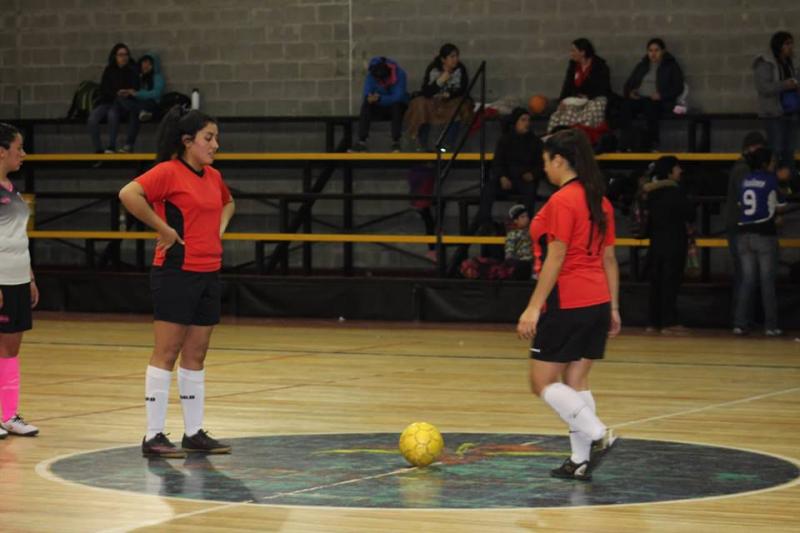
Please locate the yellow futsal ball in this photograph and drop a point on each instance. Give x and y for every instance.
(421, 443)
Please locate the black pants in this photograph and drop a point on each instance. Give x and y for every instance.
(375, 111)
(493, 191)
(666, 275)
(652, 111)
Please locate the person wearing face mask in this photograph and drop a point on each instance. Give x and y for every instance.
(120, 79)
(184, 199)
(18, 291)
(444, 86)
(651, 91)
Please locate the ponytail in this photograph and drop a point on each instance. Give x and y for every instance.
(175, 124)
(573, 145)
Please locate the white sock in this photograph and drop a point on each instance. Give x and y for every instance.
(573, 410)
(156, 397)
(581, 444)
(192, 386)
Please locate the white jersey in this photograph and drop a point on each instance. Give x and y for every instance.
(15, 260)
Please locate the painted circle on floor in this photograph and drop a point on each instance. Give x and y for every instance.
(476, 471)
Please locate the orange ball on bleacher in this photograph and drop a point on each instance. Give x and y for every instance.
(537, 104)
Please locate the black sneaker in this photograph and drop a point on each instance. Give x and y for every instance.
(396, 148)
(160, 446)
(601, 447)
(570, 470)
(203, 443)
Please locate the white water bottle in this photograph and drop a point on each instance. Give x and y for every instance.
(195, 99)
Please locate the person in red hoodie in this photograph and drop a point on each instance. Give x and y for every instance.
(185, 200)
(575, 305)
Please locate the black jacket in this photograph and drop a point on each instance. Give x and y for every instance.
(598, 83)
(670, 211)
(669, 78)
(517, 154)
(114, 79)
(431, 88)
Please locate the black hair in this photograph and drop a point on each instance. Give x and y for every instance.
(573, 145)
(444, 51)
(584, 45)
(7, 134)
(663, 166)
(112, 56)
(658, 41)
(380, 70)
(175, 124)
(510, 123)
(777, 41)
(759, 159)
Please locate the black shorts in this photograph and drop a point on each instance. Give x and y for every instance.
(16, 314)
(565, 335)
(187, 298)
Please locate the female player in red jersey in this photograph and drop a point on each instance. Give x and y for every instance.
(575, 305)
(18, 292)
(185, 200)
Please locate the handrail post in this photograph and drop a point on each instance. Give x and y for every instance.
(441, 254)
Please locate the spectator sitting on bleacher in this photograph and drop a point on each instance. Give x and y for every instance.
(669, 213)
(517, 167)
(761, 201)
(444, 86)
(585, 92)
(518, 249)
(775, 78)
(741, 169)
(385, 98)
(651, 90)
(151, 87)
(120, 77)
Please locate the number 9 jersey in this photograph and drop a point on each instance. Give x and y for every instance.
(759, 198)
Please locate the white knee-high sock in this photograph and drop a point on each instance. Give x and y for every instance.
(192, 386)
(573, 410)
(580, 444)
(156, 398)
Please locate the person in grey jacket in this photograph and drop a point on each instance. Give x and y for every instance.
(776, 84)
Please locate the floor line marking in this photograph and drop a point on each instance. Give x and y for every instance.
(708, 407)
(338, 483)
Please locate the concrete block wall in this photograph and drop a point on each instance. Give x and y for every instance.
(303, 57)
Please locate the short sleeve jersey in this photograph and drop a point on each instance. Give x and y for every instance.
(759, 198)
(191, 203)
(565, 217)
(15, 261)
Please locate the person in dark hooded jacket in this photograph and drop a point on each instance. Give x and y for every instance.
(120, 77)
(651, 90)
(148, 97)
(517, 167)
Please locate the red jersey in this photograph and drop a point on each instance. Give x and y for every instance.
(191, 203)
(582, 280)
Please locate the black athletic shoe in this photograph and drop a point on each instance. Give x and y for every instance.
(601, 448)
(570, 470)
(160, 446)
(202, 443)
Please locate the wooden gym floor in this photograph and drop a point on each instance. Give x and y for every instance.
(82, 384)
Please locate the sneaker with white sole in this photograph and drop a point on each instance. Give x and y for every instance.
(3, 433)
(773, 332)
(570, 470)
(16, 425)
(601, 447)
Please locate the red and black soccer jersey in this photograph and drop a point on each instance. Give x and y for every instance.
(191, 203)
(582, 281)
